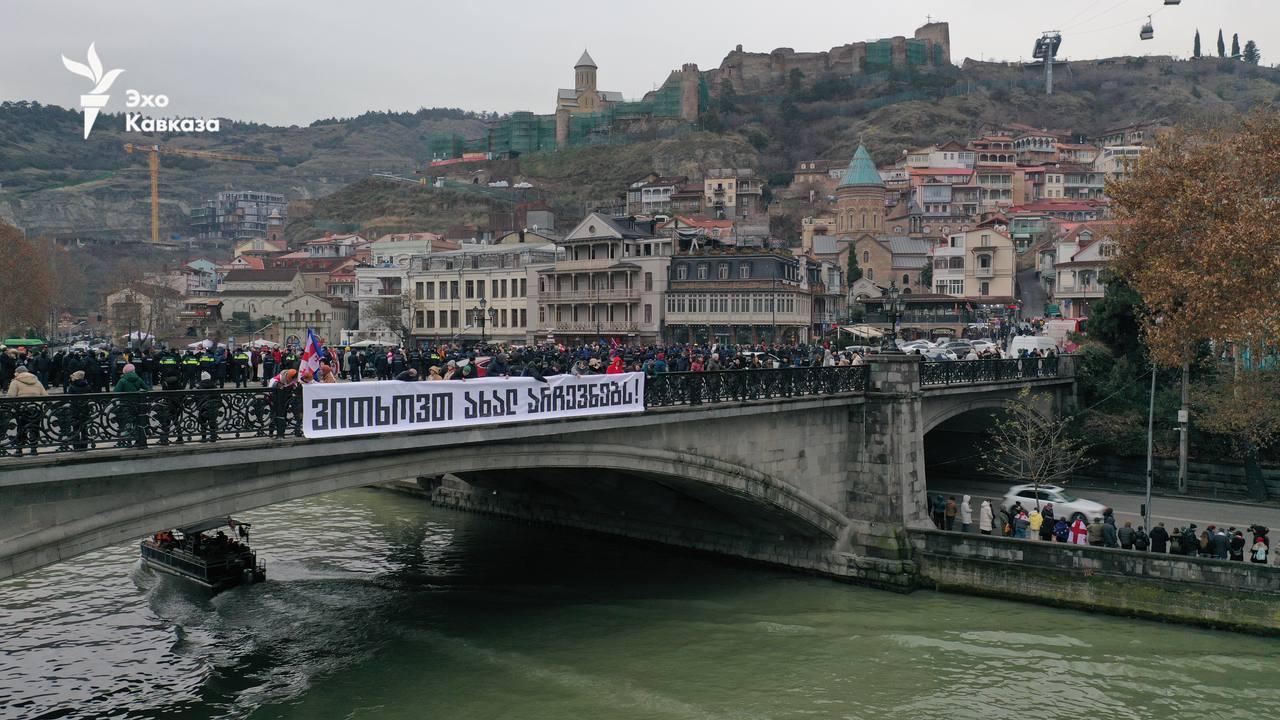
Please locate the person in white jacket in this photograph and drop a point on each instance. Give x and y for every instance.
(984, 518)
(966, 515)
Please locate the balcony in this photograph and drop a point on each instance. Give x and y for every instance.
(984, 272)
(591, 326)
(591, 296)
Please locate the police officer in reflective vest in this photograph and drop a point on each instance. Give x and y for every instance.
(206, 365)
(240, 367)
(168, 366)
(190, 370)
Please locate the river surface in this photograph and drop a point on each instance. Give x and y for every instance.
(380, 606)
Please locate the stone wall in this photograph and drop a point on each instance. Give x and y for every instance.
(1215, 593)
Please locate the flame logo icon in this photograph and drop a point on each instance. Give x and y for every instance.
(97, 98)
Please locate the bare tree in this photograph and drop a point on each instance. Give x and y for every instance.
(389, 312)
(1032, 448)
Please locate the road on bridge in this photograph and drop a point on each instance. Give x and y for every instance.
(1172, 511)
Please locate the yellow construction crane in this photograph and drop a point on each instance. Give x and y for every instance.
(153, 159)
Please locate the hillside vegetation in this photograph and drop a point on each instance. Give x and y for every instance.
(52, 181)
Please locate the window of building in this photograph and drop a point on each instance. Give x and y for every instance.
(702, 271)
(871, 273)
(502, 317)
(419, 292)
(419, 317)
(479, 288)
(906, 280)
(955, 263)
(431, 291)
(984, 261)
(722, 271)
(524, 317)
(444, 318)
(648, 281)
(431, 319)
(453, 289)
(648, 314)
(984, 288)
(744, 271)
(682, 272)
(453, 318)
(949, 287)
(471, 289)
(542, 314)
(524, 287)
(866, 257)
(493, 289)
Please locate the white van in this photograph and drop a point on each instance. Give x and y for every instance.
(1032, 342)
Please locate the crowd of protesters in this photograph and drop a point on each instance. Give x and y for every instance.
(1040, 523)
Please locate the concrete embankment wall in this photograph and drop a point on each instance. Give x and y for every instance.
(1216, 593)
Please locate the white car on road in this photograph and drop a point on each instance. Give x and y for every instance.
(1064, 503)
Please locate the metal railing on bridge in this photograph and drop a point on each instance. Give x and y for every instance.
(94, 421)
(965, 372)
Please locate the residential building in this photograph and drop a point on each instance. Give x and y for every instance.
(1077, 153)
(1081, 181)
(143, 307)
(738, 295)
(732, 193)
(609, 283)
(651, 195)
(1036, 146)
(978, 265)
(951, 155)
(818, 172)
(448, 286)
(1115, 162)
(240, 214)
(993, 150)
(1082, 253)
(1070, 210)
(687, 200)
(1143, 133)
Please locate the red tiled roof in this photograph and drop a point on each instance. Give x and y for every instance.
(696, 223)
(254, 262)
(940, 171)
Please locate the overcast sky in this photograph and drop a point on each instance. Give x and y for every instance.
(292, 61)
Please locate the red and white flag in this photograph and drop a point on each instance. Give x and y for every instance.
(1079, 533)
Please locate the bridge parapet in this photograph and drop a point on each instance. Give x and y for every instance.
(972, 372)
(75, 423)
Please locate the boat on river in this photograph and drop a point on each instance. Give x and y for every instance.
(205, 554)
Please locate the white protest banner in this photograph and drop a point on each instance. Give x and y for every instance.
(366, 408)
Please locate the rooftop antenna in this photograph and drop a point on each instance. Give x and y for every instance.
(1047, 49)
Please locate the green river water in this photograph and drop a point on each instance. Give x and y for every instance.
(380, 606)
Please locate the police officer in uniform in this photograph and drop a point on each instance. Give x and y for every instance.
(240, 367)
(206, 364)
(190, 370)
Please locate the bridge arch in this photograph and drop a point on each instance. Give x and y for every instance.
(205, 493)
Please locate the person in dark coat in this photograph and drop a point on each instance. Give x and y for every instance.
(78, 420)
(1159, 539)
(1047, 523)
(209, 404)
(1110, 538)
(1126, 536)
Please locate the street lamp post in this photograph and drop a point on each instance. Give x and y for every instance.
(893, 304)
(483, 315)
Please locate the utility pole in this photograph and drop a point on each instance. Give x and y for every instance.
(1151, 422)
(1184, 427)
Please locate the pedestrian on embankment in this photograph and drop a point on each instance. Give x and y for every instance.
(966, 515)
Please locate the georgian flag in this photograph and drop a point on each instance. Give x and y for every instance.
(311, 353)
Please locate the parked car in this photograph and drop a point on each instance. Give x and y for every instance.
(1064, 503)
(981, 345)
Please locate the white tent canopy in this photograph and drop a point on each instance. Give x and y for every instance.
(365, 343)
(865, 331)
(138, 335)
(262, 342)
(203, 344)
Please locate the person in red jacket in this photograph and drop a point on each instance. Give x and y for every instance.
(615, 366)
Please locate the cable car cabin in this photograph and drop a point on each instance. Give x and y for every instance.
(212, 560)
(1172, 2)
(1147, 31)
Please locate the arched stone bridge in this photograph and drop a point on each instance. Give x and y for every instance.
(821, 469)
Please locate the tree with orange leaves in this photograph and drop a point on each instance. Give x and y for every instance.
(26, 284)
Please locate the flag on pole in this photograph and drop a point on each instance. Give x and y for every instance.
(311, 353)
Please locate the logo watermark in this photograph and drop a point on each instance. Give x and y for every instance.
(137, 122)
(97, 98)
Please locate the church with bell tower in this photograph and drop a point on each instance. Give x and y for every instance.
(584, 96)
